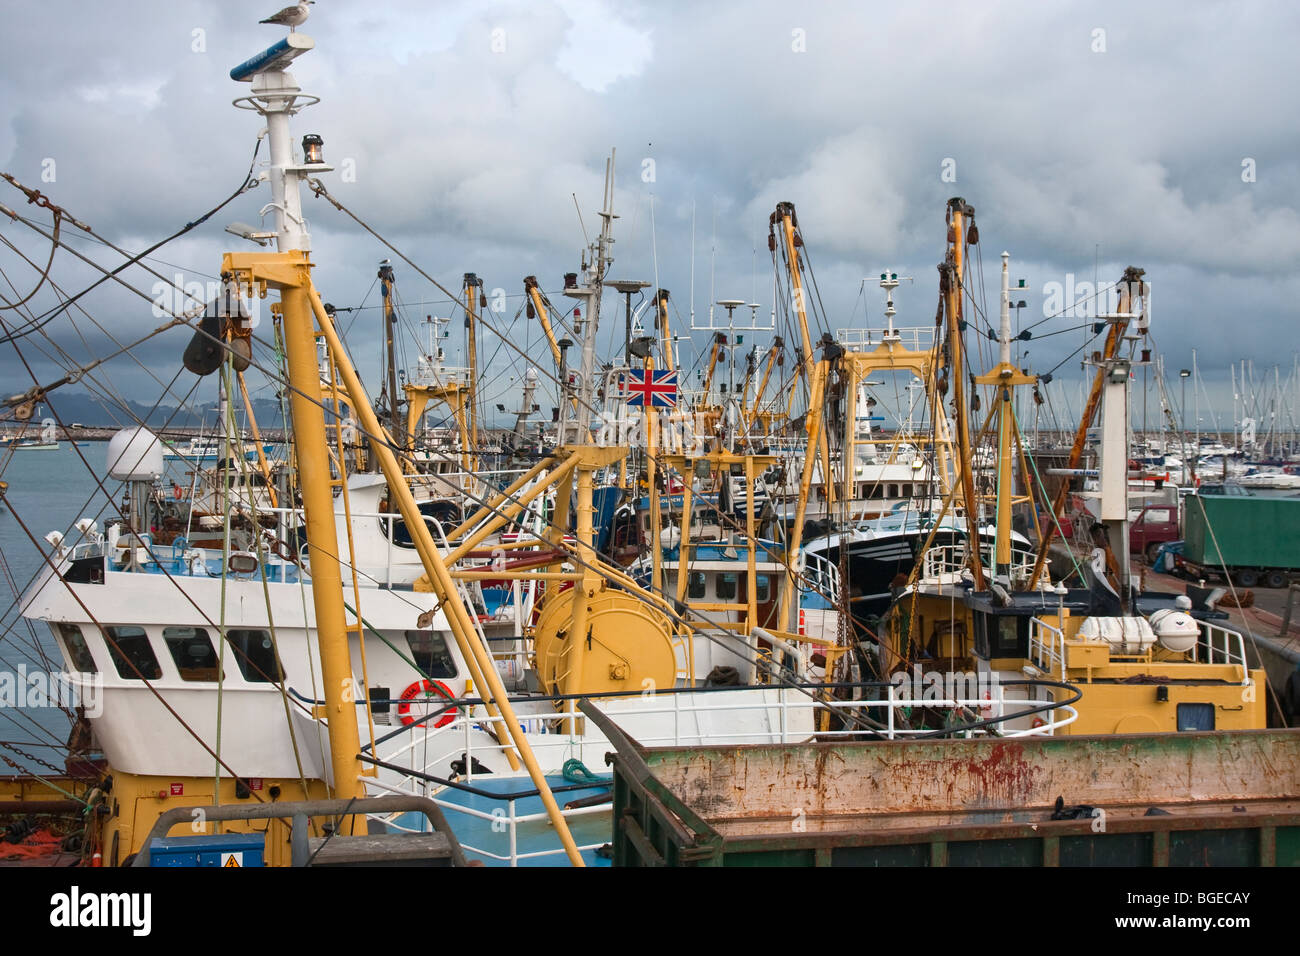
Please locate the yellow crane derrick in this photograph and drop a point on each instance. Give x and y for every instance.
(458, 400)
(538, 305)
(290, 274)
(775, 355)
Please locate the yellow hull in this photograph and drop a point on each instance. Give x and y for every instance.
(134, 803)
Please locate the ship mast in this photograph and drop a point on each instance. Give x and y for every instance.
(392, 390)
(1004, 377)
(951, 285)
(473, 301)
(588, 316)
(276, 96)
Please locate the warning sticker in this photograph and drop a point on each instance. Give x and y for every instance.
(232, 859)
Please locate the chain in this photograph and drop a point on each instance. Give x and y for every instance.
(37, 760)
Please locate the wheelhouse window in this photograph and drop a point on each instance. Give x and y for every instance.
(726, 587)
(1006, 636)
(193, 653)
(132, 654)
(762, 588)
(255, 655)
(1001, 635)
(626, 534)
(695, 585)
(430, 652)
(1195, 716)
(78, 651)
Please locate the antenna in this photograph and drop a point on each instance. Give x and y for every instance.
(654, 247)
(713, 258)
(692, 263)
(585, 240)
(889, 281)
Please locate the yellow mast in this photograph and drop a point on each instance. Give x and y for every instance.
(776, 350)
(538, 305)
(290, 273)
(786, 215)
(951, 287)
(1006, 377)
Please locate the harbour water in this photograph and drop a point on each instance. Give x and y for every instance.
(48, 490)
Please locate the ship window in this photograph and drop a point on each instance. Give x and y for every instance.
(695, 587)
(430, 653)
(255, 655)
(1006, 636)
(625, 532)
(132, 654)
(981, 636)
(762, 588)
(192, 650)
(77, 648)
(1195, 716)
(726, 588)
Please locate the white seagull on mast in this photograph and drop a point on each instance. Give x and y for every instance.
(291, 17)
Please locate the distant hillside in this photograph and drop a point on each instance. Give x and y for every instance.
(89, 410)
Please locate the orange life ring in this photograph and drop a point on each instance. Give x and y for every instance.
(429, 688)
(177, 491)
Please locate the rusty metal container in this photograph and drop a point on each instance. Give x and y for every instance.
(1189, 799)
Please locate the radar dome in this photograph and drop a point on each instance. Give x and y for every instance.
(135, 454)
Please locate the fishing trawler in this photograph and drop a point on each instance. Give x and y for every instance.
(334, 640)
(1143, 662)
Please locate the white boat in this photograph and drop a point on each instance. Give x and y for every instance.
(47, 441)
(212, 449)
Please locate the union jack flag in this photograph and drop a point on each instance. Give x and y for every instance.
(654, 387)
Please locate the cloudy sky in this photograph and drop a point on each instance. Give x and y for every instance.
(1088, 137)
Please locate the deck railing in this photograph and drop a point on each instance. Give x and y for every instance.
(778, 714)
(917, 339)
(1216, 645)
(944, 559)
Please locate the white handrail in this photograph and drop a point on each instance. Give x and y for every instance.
(918, 339)
(786, 701)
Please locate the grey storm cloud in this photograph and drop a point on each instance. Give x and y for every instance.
(1087, 136)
